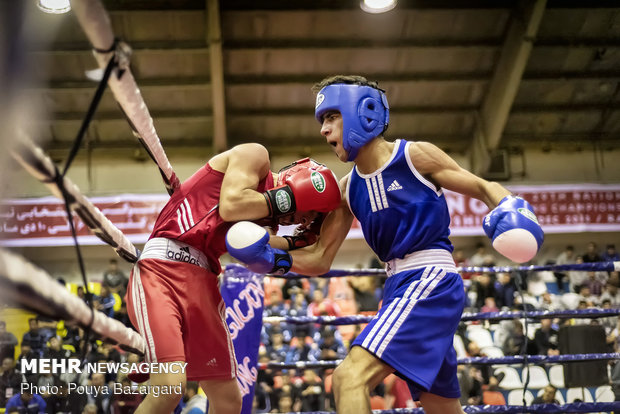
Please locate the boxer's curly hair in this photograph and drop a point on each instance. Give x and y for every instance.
(346, 79)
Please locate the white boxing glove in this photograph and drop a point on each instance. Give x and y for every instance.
(249, 243)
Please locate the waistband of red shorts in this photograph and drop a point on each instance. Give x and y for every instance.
(174, 250)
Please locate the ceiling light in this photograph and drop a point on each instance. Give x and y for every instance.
(54, 6)
(377, 6)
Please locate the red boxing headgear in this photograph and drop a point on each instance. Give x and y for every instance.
(315, 186)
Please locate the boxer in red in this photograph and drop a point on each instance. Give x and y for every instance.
(173, 297)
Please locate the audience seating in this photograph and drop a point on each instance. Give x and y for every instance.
(515, 397)
(582, 394)
(538, 377)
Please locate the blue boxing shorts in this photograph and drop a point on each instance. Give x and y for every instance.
(413, 332)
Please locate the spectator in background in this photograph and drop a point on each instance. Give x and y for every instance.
(610, 255)
(74, 336)
(8, 342)
(576, 277)
(59, 403)
(126, 403)
(525, 302)
(397, 394)
(35, 337)
(45, 382)
(474, 351)
(81, 293)
(103, 397)
(484, 288)
(264, 393)
(90, 409)
(10, 380)
(105, 302)
(299, 304)
(26, 403)
(286, 386)
(299, 349)
(341, 293)
(586, 296)
(489, 305)
(321, 306)
(75, 400)
(122, 316)
(488, 261)
(609, 322)
(461, 261)
(365, 292)
(492, 395)
(276, 306)
(330, 346)
(312, 392)
(613, 341)
(504, 290)
(611, 293)
(114, 279)
(470, 380)
(591, 254)
(546, 338)
(55, 350)
(285, 404)
(318, 284)
(278, 349)
(478, 257)
(195, 403)
(27, 354)
(549, 302)
(566, 257)
(547, 397)
(595, 282)
(515, 344)
(107, 352)
(290, 287)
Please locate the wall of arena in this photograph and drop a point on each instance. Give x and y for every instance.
(118, 172)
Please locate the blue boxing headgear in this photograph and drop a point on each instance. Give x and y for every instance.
(364, 109)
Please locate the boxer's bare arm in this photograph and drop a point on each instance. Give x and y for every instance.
(440, 168)
(317, 259)
(244, 166)
(278, 242)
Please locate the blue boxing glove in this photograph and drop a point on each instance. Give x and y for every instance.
(249, 243)
(514, 229)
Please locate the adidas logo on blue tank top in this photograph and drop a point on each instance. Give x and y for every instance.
(394, 186)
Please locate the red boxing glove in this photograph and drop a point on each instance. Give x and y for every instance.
(305, 236)
(305, 185)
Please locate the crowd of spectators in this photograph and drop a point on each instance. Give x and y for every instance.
(310, 389)
(549, 291)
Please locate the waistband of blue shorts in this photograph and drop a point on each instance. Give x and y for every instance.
(423, 258)
(173, 250)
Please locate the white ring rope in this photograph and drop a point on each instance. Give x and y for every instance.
(25, 283)
(95, 22)
(42, 168)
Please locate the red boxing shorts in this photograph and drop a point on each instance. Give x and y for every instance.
(174, 301)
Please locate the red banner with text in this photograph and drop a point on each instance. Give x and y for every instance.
(560, 209)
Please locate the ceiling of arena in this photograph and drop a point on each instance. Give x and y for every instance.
(492, 75)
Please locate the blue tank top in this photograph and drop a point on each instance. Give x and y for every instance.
(400, 211)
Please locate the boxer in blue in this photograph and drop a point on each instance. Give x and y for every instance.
(395, 191)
